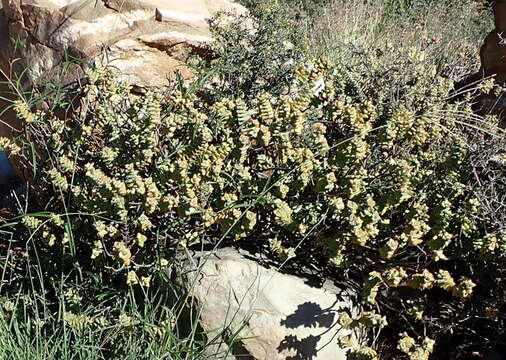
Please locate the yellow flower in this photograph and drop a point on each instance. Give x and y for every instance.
(98, 249)
(464, 289)
(140, 239)
(145, 281)
(406, 344)
(282, 213)
(122, 252)
(132, 278)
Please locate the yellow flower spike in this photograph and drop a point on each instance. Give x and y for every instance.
(298, 123)
(154, 109)
(282, 213)
(336, 203)
(345, 320)
(112, 230)
(8, 146)
(489, 244)
(444, 280)
(77, 322)
(49, 238)
(101, 229)
(58, 179)
(108, 155)
(319, 128)
(371, 319)
(66, 237)
(132, 278)
(371, 287)
(140, 239)
(97, 250)
(415, 351)
(125, 320)
(209, 217)
(66, 165)
(266, 111)
(249, 221)
(415, 309)
(405, 344)
(164, 262)
(394, 277)
(145, 281)
(31, 222)
(57, 220)
(421, 281)
(264, 135)
(388, 251)
(363, 353)
(144, 223)
(282, 252)
(23, 111)
(438, 255)
(122, 252)
(229, 198)
(464, 288)
(302, 228)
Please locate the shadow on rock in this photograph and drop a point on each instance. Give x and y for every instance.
(305, 349)
(309, 314)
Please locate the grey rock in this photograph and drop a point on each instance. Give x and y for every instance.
(263, 314)
(6, 171)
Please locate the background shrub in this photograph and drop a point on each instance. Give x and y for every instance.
(254, 54)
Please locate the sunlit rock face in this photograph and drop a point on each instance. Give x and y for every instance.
(145, 39)
(273, 316)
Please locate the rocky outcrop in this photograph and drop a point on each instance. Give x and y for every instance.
(146, 40)
(143, 38)
(493, 51)
(263, 314)
(493, 64)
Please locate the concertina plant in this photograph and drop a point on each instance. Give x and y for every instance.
(381, 190)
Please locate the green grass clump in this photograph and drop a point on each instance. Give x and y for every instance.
(72, 327)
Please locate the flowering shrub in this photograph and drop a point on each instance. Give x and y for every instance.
(378, 189)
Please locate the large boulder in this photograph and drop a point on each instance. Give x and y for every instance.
(493, 64)
(265, 314)
(142, 38)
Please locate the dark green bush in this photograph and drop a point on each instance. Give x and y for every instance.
(255, 53)
(411, 7)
